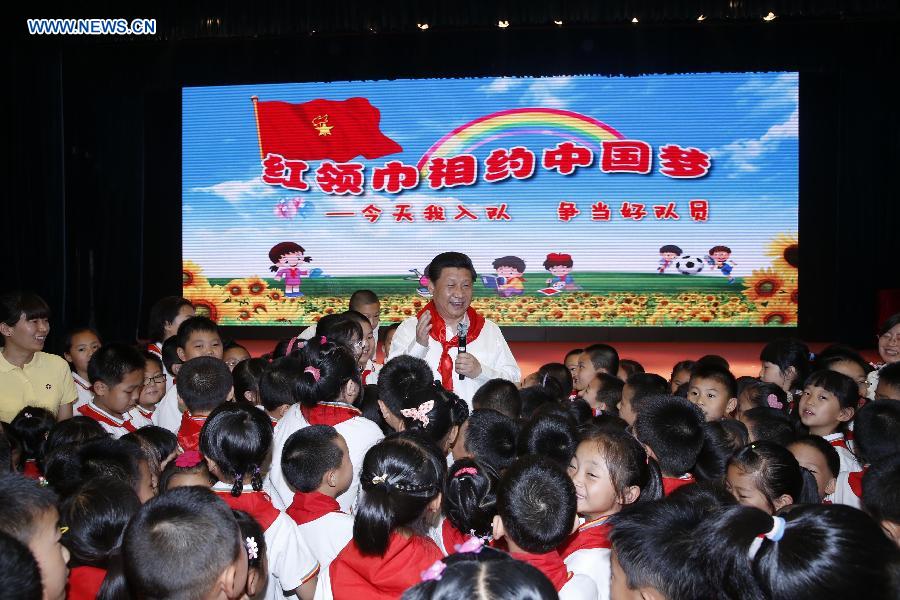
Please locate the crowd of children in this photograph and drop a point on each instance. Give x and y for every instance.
(188, 469)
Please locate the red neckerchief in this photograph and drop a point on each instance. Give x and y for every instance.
(155, 348)
(294, 271)
(31, 470)
(256, 504)
(189, 432)
(439, 334)
(590, 535)
(84, 582)
(451, 536)
(309, 506)
(670, 484)
(329, 413)
(80, 384)
(144, 413)
(89, 411)
(839, 442)
(550, 564)
(365, 375)
(854, 479)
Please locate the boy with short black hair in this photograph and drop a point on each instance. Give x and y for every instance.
(875, 433)
(276, 386)
(204, 383)
(671, 430)
(533, 527)
(881, 495)
(28, 513)
(500, 395)
(316, 463)
(888, 387)
(714, 391)
(487, 436)
(185, 544)
(638, 387)
(594, 359)
(116, 372)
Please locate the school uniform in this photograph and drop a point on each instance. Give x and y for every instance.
(357, 576)
(139, 412)
(45, 382)
(447, 537)
(156, 348)
(113, 425)
(84, 389)
(84, 582)
(569, 585)
(189, 432)
(291, 564)
(670, 484)
(845, 451)
(587, 552)
(848, 488)
(167, 413)
(324, 528)
(359, 433)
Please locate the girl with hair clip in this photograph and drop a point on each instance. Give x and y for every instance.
(481, 573)
(813, 552)
(610, 471)
(827, 406)
(768, 477)
(468, 505)
(435, 412)
(32, 426)
(327, 390)
(785, 363)
(235, 441)
(759, 394)
(254, 541)
(401, 480)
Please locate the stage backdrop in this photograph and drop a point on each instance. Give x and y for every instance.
(660, 200)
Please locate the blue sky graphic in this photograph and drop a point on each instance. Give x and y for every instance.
(747, 121)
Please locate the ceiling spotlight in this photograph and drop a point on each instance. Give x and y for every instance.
(701, 18)
(769, 17)
(502, 24)
(422, 26)
(557, 22)
(634, 20)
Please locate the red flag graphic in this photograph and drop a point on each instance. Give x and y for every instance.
(322, 129)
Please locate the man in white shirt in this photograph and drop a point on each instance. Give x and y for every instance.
(433, 334)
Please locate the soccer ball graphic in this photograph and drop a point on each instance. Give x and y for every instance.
(689, 265)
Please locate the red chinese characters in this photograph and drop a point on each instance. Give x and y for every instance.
(402, 213)
(687, 163)
(600, 211)
(394, 177)
(517, 162)
(633, 210)
(464, 213)
(626, 156)
(497, 213)
(371, 213)
(566, 211)
(340, 178)
(566, 156)
(434, 212)
(666, 211)
(453, 171)
(699, 210)
(286, 173)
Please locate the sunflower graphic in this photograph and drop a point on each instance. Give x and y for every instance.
(785, 252)
(764, 284)
(192, 275)
(777, 314)
(236, 289)
(208, 300)
(256, 286)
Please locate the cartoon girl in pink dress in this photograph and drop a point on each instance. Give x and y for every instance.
(286, 258)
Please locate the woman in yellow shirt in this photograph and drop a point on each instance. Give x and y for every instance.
(28, 376)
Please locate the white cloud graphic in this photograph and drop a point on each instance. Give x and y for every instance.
(550, 92)
(500, 85)
(236, 191)
(742, 154)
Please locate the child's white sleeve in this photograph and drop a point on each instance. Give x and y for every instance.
(594, 563)
(580, 587)
(291, 564)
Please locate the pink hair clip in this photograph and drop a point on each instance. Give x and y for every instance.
(773, 402)
(323, 340)
(434, 572)
(315, 372)
(466, 471)
(419, 414)
(188, 459)
(291, 345)
(473, 544)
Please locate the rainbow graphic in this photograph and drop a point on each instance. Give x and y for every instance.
(572, 126)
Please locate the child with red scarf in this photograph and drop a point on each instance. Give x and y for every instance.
(203, 384)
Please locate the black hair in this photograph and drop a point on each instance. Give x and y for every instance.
(770, 425)
(251, 529)
(501, 395)
(876, 430)
(613, 423)
(556, 379)
(491, 438)
(165, 310)
(744, 381)
(75, 431)
(644, 386)
(169, 352)
(470, 497)
(20, 578)
(551, 435)
(808, 561)
(399, 477)
(721, 376)
(246, 375)
(32, 425)
(758, 393)
(192, 325)
(785, 353)
(488, 574)
(399, 377)
(362, 297)
(112, 362)
(708, 496)
(150, 356)
(203, 383)
(449, 260)
(6, 450)
(447, 411)
(844, 388)
(838, 353)
(67, 467)
(308, 454)
(776, 472)
(230, 344)
(712, 360)
(367, 403)
(682, 365)
(881, 490)
(610, 393)
(510, 261)
(817, 442)
(603, 356)
(721, 439)
(23, 502)
(631, 367)
(531, 522)
(383, 334)
(16, 304)
(70, 335)
(162, 441)
(573, 352)
(533, 398)
(238, 437)
(340, 329)
(673, 428)
(890, 375)
(163, 558)
(670, 248)
(327, 368)
(889, 323)
(278, 383)
(577, 411)
(626, 461)
(172, 469)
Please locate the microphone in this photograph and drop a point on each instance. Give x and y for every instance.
(461, 330)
